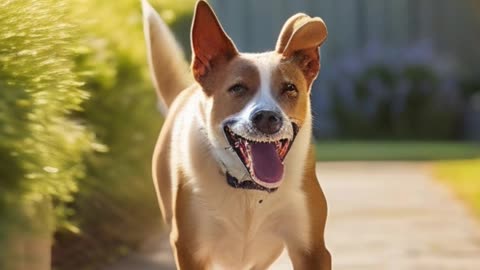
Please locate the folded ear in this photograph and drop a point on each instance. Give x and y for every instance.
(300, 38)
(210, 44)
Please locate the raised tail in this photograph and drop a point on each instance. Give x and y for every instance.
(168, 68)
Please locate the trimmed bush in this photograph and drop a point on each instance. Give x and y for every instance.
(116, 207)
(50, 138)
(41, 145)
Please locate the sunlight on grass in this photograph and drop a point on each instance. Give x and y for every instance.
(464, 178)
(394, 150)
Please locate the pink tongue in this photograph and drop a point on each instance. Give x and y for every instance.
(267, 165)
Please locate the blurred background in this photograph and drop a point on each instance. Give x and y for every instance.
(400, 81)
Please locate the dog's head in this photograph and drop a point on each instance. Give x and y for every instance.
(255, 103)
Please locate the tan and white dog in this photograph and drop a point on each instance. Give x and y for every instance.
(234, 167)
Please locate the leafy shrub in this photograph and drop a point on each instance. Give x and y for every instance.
(41, 145)
(46, 48)
(116, 207)
(408, 93)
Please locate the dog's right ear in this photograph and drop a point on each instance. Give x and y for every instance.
(211, 46)
(299, 40)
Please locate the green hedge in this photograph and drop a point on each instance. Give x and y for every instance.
(41, 145)
(116, 207)
(78, 123)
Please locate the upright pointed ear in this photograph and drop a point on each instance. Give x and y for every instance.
(300, 38)
(211, 46)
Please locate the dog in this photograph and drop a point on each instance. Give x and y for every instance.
(234, 167)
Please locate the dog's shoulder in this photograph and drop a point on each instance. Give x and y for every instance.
(167, 143)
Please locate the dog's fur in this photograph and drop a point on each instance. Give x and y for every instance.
(213, 224)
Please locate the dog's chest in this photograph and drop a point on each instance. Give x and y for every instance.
(241, 235)
(240, 251)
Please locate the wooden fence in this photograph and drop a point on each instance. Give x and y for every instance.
(453, 26)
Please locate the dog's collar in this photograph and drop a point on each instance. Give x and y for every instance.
(247, 184)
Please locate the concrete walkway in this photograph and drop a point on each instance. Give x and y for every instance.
(383, 216)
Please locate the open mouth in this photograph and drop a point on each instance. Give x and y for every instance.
(263, 160)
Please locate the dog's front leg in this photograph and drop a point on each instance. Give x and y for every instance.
(318, 259)
(316, 256)
(183, 246)
(184, 258)
(182, 235)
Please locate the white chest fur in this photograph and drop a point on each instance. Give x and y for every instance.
(246, 229)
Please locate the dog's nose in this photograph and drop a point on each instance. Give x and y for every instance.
(268, 122)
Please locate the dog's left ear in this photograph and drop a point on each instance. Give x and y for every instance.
(300, 38)
(210, 44)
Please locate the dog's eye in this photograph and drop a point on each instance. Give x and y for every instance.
(290, 90)
(237, 89)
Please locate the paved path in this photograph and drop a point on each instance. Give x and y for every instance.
(383, 216)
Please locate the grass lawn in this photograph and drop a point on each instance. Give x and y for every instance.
(464, 178)
(384, 150)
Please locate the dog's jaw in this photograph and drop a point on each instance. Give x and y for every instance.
(244, 148)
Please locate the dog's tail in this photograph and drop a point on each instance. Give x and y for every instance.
(168, 67)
